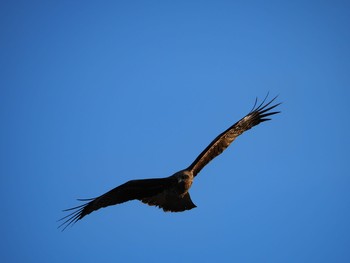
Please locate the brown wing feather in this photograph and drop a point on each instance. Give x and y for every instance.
(131, 190)
(170, 201)
(223, 140)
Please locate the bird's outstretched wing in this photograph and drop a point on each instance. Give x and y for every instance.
(131, 190)
(222, 141)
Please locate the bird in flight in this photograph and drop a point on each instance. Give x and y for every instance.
(172, 193)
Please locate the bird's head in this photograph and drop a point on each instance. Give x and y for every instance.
(184, 176)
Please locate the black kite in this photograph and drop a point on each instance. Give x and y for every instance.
(171, 193)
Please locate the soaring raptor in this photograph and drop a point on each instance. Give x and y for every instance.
(172, 193)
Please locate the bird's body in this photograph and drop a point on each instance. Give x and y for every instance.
(172, 193)
(176, 197)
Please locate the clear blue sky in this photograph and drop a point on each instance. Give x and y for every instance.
(94, 94)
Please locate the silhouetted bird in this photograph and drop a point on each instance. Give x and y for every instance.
(171, 193)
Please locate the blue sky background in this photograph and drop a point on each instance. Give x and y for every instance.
(94, 94)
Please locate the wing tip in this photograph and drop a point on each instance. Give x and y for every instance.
(75, 216)
(262, 110)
